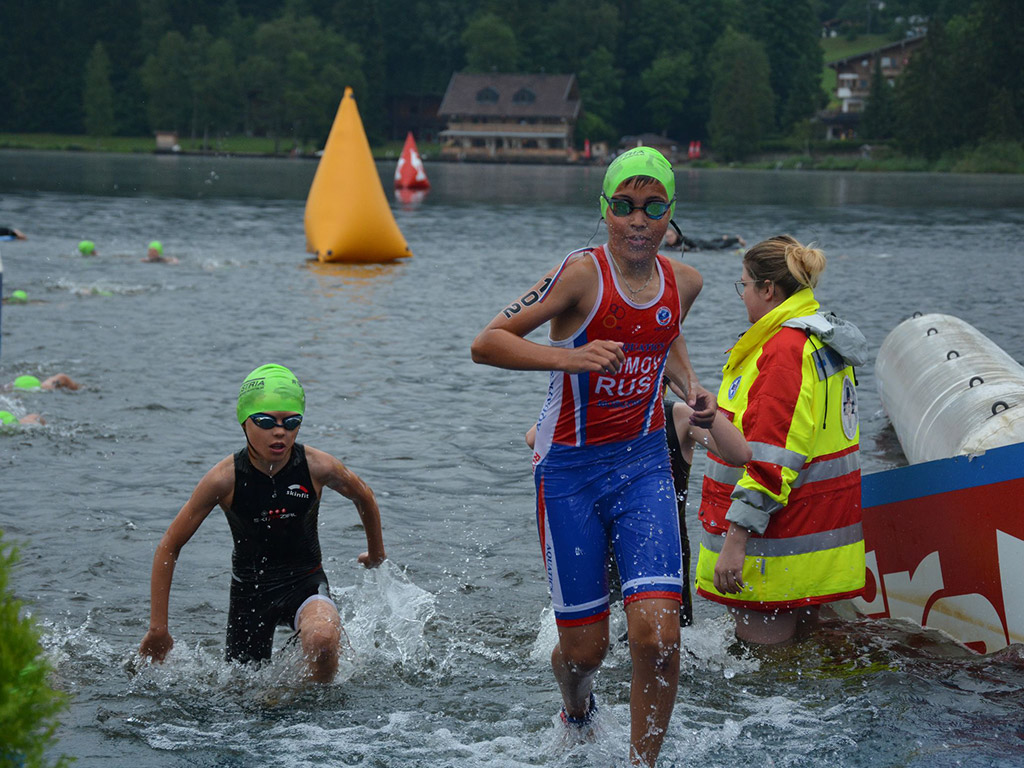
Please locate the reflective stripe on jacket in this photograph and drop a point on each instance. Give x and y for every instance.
(794, 400)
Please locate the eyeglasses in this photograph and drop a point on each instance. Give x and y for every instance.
(266, 421)
(655, 209)
(741, 285)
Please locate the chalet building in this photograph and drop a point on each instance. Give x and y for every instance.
(853, 82)
(518, 118)
(671, 148)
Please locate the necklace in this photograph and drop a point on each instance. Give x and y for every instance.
(633, 291)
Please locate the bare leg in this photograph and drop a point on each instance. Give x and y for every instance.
(772, 627)
(654, 646)
(575, 660)
(319, 628)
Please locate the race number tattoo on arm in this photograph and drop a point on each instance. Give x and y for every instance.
(529, 299)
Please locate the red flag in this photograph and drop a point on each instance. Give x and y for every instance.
(410, 174)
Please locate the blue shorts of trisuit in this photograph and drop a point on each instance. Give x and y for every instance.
(620, 493)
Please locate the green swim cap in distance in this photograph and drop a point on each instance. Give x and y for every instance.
(640, 161)
(18, 297)
(86, 247)
(270, 388)
(157, 246)
(27, 382)
(6, 417)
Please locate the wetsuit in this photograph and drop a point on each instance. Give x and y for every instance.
(601, 464)
(697, 244)
(275, 565)
(718, 244)
(681, 480)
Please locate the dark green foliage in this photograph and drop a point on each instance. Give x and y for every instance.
(789, 31)
(277, 68)
(490, 45)
(879, 118)
(99, 94)
(966, 82)
(28, 705)
(666, 84)
(600, 90)
(741, 105)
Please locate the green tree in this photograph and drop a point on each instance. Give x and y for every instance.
(361, 22)
(666, 84)
(789, 31)
(1002, 123)
(644, 37)
(296, 75)
(597, 23)
(601, 93)
(924, 124)
(166, 78)
(490, 45)
(708, 20)
(741, 95)
(878, 120)
(98, 94)
(216, 86)
(28, 705)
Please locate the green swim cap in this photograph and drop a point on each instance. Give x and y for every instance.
(157, 246)
(27, 382)
(18, 297)
(86, 247)
(6, 417)
(641, 161)
(270, 388)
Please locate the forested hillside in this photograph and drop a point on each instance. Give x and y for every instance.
(735, 71)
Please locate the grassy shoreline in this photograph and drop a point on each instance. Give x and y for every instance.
(993, 157)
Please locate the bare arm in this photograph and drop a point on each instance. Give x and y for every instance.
(729, 566)
(723, 439)
(328, 471)
(215, 486)
(566, 301)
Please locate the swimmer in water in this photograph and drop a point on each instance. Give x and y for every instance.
(10, 233)
(155, 254)
(8, 419)
(87, 248)
(57, 381)
(270, 492)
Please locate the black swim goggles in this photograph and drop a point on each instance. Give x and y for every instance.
(655, 209)
(266, 421)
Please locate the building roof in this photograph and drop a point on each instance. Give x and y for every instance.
(648, 140)
(897, 44)
(511, 96)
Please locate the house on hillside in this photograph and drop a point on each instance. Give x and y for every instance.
(853, 82)
(509, 117)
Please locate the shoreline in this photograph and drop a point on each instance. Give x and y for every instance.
(1003, 158)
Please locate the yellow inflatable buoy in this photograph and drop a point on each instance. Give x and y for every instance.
(348, 217)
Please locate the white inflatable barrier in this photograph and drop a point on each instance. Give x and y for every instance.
(948, 389)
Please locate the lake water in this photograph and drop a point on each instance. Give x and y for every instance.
(447, 644)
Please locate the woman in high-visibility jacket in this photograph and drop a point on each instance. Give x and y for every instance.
(782, 535)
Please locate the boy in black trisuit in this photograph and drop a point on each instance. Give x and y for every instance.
(270, 492)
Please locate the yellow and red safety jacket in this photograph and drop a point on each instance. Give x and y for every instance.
(789, 386)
